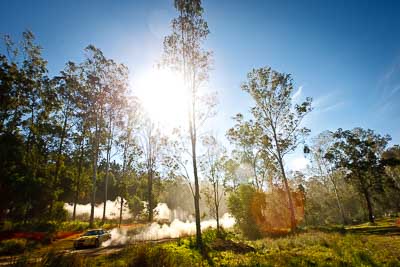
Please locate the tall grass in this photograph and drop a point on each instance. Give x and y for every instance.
(305, 249)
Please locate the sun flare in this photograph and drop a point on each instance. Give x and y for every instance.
(162, 94)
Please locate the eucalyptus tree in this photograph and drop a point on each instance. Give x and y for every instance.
(232, 179)
(11, 141)
(183, 52)
(359, 151)
(212, 165)
(11, 77)
(275, 125)
(68, 85)
(391, 159)
(104, 78)
(156, 161)
(28, 102)
(33, 98)
(81, 141)
(116, 105)
(94, 68)
(323, 168)
(253, 159)
(128, 145)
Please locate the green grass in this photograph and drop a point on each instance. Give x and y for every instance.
(358, 246)
(12, 246)
(305, 249)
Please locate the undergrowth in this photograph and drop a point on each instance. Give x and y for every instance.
(303, 249)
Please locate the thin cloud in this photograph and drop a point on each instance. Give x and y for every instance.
(297, 94)
(333, 106)
(395, 89)
(328, 102)
(389, 89)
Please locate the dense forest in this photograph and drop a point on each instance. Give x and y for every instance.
(82, 136)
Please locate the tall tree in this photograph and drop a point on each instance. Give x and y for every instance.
(391, 160)
(104, 78)
(324, 169)
(130, 150)
(28, 101)
(359, 151)
(183, 51)
(212, 166)
(68, 89)
(114, 109)
(150, 139)
(276, 124)
(94, 71)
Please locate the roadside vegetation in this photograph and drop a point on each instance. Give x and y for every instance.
(305, 248)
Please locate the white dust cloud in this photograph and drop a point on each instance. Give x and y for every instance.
(112, 209)
(177, 227)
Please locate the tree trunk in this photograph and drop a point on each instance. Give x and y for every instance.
(78, 178)
(291, 206)
(367, 196)
(94, 177)
(120, 212)
(285, 181)
(150, 194)
(59, 154)
(75, 200)
(217, 218)
(110, 136)
(216, 204)
(122, 190)
(76, 196)
(199, 241)
(339, 203)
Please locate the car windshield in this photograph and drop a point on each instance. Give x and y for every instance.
(89, 233)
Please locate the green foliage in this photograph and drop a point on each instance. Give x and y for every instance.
(54, 259)
(274, 129)
(73, 226)
(12, 246)
(239, 205)
(312, 248)
(135, 206)
(210, 235)
(59, 213)
(359, 151)
(53, 131)
(168, 255)
(321, 206)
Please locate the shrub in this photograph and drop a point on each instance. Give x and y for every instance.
(6, 226)
(259, 213)
(59, 213)
(12, 246)
(209, 236)
(53, 259)
(239, 205)
(73, 226)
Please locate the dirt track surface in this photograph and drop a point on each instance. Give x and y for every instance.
(66, 246)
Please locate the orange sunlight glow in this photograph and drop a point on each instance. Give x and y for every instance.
(162, 94)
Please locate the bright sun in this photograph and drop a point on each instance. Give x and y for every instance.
(163, 96)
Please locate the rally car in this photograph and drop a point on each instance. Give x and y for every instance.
(92, 238)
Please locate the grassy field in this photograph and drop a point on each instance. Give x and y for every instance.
(362, 245)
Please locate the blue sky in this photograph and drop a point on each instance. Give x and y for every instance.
(344, 54)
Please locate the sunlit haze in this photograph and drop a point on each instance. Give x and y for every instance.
(163, 95)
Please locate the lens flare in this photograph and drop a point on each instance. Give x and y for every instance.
(163, 96)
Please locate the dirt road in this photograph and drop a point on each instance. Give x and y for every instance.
(66, 246)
